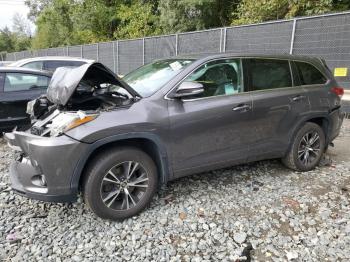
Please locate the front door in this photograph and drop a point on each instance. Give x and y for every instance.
(212, 129)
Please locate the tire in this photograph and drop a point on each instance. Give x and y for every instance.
(124, 197)
(295, 158)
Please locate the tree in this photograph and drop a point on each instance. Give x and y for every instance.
(55, 25)
(19, 38)
(137, 20)
(20, 25)
(21, 32)
(263, 10)
(190, 15)
(71, 22)
(36, 7)
(97, 18)
(7, 41)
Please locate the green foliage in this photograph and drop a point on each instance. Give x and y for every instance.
(54, 25)
(263, 10)
(136, 20)
(7, 41)
(190, 15)
(35, 7)
(96, 19)
(71, 22)
(18, 39)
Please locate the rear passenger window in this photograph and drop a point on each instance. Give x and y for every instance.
(22, 82)
(53, 65)
(269, 74)
(309, 75)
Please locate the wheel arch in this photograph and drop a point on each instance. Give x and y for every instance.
(320, 119)
(148, 143)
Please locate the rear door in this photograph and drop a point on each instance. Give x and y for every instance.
(18, 89)
(314, 82)
(277, 105)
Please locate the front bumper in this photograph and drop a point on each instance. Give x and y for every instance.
(44, 166)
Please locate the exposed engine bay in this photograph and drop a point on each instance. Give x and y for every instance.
(77, 96)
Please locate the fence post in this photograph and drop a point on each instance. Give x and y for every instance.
(97, 51)
(220, 48)
(176, 44)
(224, 41)
(67, 51)
(113, 54)
(81, 51)
(117, 64)
(293, 36)
(143, 51)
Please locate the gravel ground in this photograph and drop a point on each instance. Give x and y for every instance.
(260, 211)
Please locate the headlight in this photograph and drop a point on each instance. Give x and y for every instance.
(68, 120)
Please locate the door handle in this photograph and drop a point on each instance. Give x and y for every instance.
(298, 98)
(242, 108)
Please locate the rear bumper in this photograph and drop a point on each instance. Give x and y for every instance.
(336, 118)
(44, 166)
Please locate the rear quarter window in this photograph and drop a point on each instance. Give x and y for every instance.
(309, 74)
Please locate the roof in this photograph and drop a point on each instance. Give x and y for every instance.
(46, 58)
(6, 69)
(243, 55)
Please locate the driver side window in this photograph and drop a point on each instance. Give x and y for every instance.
(221, 77)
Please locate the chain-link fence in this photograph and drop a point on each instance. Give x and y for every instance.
(326, 36)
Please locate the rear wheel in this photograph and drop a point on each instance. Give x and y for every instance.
(307, 148)
(120, 183)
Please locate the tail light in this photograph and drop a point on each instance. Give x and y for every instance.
(339, 91)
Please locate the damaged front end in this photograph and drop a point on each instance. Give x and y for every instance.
(46, 156)
(77, 96)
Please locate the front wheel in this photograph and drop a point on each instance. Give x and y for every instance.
(120, 183)
(306, 149)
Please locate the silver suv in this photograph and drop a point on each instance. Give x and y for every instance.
(116, 140)
(50, 63)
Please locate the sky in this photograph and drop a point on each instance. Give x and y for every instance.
(7, 10)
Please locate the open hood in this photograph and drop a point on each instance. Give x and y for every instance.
(65, 81)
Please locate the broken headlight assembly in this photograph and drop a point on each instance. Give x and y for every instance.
(66, 121)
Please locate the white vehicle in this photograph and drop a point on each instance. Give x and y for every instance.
(50, 63)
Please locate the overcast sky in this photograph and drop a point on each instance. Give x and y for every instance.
(8, 8)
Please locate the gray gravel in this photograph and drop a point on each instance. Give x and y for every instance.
(262, 210)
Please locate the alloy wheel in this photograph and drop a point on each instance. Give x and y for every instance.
(124, 185)
(309, 148)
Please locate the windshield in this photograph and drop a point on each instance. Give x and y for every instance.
(148, 79)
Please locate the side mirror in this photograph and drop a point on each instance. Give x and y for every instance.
(189, 89)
